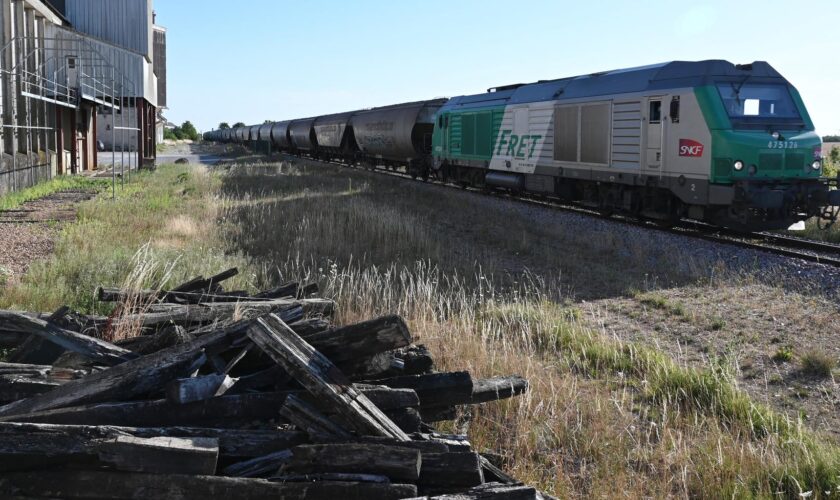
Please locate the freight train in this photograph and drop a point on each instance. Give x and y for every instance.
(732, 145)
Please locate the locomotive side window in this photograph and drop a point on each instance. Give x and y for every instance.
(655, 115)
(566, 127)
(595, 133)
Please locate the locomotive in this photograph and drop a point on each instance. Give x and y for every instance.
(731, 145)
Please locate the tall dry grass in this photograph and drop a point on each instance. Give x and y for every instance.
(603, 418)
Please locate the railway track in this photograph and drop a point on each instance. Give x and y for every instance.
(772, 243)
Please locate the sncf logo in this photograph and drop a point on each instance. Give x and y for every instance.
(690, 148)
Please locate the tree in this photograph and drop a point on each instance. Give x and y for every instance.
(188, 131)
(224, 126)
(834, 155)
(268, 122)
(169, 134)
(831, 138)
(238, 124)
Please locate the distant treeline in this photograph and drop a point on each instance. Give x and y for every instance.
(831, 138)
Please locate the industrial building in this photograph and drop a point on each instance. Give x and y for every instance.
(77, 76)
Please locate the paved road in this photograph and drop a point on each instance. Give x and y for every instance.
(207, 159)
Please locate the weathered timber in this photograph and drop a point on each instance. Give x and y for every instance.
(89, 484)
(490, 491)
(149, 296)
(159, 314)
(329, 476)
(407, 419)
(362, 339)
(455, 443)
(310, 326)
(320, 377)
(233, 443)
(260, 466)
(492, 473)
(161, 455)
(398, 463)
(40, 448)
(122, 382)
(388, 398)
(282, 291)
(435, 389)
(11, 339)
(15, 387)
(92, 348)
(496, 388)
(148, 344)
(447, 471)
(225, 412)
(484, 390)
(45, 372)
(189, 390)
(308, 419)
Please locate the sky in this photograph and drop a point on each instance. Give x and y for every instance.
(257, 60)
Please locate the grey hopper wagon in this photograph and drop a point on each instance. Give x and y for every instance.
(334, 134)
(398, 133)
(264, 133)
(253, 132)
(280, 135)
(301, 135)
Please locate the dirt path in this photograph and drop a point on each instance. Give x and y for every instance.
(28, 232)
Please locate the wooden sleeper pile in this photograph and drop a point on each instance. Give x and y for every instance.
(276, 404)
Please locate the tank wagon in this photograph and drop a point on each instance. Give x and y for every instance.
(264, 133)
(732, 145)
(729, 144)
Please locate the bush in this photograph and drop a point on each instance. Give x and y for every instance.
(818, 364)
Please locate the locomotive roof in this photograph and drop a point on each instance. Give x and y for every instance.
(675, 74)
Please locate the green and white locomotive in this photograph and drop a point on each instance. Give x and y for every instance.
(709, 140)
(729, 144)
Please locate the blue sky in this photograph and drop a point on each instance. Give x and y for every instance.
(254, 60)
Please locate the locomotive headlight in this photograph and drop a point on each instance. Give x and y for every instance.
(776, 136)
(739, 165)
(816, 165)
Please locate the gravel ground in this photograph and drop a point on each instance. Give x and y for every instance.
(29, 232)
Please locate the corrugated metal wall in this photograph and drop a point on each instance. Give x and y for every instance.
(127, 23)
(159, 55)
(132, 70)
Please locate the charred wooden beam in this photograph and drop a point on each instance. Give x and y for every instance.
(320, 377)
(260, 466)
(225, 412)
(435, 389)
(90, 484)
(444, 472)
(398, 463)
(310, 420)
(362, 340)
(122, 382)
(233, 443)
(160, 455)
(189, 390)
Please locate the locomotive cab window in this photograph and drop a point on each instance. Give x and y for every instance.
(655, 114)
(675, 109)
(759, 104)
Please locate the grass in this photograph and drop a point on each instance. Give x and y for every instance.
(783, 354)
(603, 418)
(61, 183)
(171, 212)
(818, 364)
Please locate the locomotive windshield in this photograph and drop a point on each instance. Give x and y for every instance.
(758, 103)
